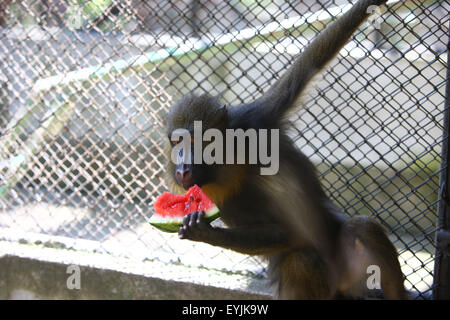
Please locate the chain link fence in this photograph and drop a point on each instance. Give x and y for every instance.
(85, 85)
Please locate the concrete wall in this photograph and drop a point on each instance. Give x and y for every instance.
(41, 271)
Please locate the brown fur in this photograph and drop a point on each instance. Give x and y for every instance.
(314, 251)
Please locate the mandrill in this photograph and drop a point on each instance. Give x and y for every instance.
(314, 251)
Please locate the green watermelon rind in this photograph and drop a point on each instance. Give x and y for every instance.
(173, 224)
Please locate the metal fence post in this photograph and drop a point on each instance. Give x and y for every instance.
(441, 288)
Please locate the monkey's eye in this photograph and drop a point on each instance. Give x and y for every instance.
(174, 143)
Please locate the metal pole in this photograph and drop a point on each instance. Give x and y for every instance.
(441, 287)
(193, 19)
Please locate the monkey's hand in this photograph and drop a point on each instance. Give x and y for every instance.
(195, 227)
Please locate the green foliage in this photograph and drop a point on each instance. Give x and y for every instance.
(90, 13)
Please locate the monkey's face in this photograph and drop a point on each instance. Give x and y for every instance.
(188, 119)
(188, 174)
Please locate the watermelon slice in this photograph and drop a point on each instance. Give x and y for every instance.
(170, 209)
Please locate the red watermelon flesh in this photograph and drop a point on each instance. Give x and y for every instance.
(170, 209)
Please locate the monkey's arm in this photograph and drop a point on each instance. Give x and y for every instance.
(282, 95)
(257, 240)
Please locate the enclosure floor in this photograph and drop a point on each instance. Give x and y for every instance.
(142, 241)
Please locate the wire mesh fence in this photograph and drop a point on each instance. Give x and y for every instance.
(85, 85)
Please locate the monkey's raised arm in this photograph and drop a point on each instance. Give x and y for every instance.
(282, 95)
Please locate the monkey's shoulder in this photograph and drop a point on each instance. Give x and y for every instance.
(251, 206)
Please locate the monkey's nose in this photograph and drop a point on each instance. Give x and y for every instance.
(184, 176)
